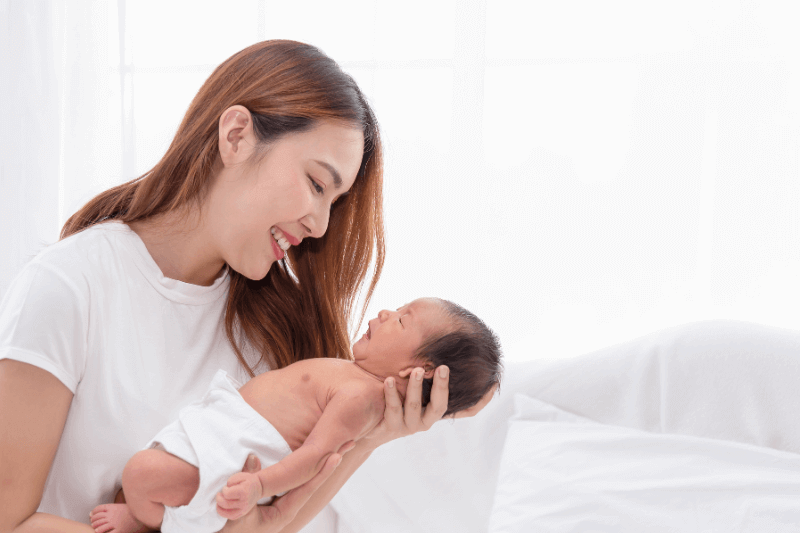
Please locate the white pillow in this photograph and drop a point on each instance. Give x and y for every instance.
(560, 472)
(436, 481)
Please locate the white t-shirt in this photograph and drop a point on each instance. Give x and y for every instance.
(133, 346)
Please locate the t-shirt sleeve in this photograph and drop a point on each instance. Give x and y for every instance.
(44, 322)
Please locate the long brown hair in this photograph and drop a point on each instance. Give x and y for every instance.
(303, 307)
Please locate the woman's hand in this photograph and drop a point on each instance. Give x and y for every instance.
(399, 421)
(273, 518)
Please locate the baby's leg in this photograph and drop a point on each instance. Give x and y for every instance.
(155, 478)
(151, 480)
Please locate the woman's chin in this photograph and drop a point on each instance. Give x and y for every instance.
(254, 272)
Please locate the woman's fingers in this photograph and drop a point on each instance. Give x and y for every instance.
(346, 447)
(413, 408)
(439, 395)
(252, 465)
(475, 409)
(393, 415)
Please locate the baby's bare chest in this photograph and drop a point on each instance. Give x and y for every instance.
(292, 399)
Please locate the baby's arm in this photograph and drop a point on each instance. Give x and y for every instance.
(349, 415)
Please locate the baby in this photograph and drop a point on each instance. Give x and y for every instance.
(294, 419)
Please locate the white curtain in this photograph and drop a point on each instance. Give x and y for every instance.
(61, 137)
(29, 140)
(576, 173)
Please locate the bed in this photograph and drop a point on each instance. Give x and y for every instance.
(694, 428)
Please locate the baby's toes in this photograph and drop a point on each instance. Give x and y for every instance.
(99, 509)
(103, 526)
(98, 517)
(115, 518)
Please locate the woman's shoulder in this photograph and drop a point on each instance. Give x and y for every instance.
(105, 236)
(87, 252)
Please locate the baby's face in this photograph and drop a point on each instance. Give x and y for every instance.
(393, 337)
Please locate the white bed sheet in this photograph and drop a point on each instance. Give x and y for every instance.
(562, 473)
(723, 380)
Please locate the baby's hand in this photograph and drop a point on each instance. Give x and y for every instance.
(241, 495)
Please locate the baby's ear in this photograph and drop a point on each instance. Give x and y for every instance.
(428, 367)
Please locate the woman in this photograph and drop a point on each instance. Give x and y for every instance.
(242, 249)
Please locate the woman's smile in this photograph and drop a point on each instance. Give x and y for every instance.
(281, 241)
(277, 249)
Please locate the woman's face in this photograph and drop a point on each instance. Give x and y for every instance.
(260, 209)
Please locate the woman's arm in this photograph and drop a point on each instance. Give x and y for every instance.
(323, 495)
(33, 410)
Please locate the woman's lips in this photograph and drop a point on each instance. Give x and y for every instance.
(280, 238)
(276, 249)
(294, 241)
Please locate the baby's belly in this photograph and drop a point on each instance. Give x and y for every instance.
(294, 427)
(293, 418)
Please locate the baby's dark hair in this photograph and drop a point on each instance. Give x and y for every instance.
(472, 353)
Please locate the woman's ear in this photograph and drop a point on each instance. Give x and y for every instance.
(236, 138)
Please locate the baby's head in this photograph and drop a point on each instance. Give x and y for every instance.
(472, 353)
(427, 333)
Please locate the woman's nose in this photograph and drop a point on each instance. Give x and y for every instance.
(383, 315)
(317, 222)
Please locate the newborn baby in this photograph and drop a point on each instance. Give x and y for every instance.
(294, 419)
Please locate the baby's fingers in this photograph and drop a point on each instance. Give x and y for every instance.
(228, 508)
(238, 477)
(230, 514)
(232, 493)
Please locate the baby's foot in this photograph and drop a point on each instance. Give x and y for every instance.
(115, 518)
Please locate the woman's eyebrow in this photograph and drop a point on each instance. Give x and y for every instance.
(337, 179)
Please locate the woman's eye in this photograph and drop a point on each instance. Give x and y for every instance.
(316, 185)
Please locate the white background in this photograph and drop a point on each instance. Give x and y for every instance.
(576, 173)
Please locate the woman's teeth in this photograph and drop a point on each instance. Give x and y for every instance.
(281, 240)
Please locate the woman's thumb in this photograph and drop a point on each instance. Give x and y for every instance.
(252, 465)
